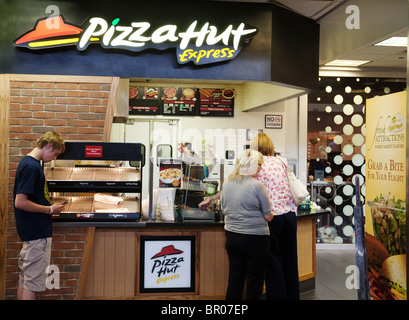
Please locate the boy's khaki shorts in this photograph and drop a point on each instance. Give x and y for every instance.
(33, 261)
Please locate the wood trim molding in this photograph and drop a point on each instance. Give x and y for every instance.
(88, 250)
(58, 78)
(110, 111)
(4, 173)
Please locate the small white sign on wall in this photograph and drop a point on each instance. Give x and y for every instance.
(273, 121)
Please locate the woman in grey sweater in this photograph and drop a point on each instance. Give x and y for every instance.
(247, 210)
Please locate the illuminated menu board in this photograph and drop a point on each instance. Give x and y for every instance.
(181, 101)
(144, 101)
(217, 102)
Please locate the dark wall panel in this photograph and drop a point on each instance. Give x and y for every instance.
(265, 58)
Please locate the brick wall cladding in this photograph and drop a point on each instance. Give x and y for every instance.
(76, 111)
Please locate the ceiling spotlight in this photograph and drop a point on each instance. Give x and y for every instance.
(346, 63)
(394, 42)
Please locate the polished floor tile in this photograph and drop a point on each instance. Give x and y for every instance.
(331, 278)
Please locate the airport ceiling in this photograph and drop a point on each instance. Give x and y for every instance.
(375, 20)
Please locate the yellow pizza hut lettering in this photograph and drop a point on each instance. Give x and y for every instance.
(199, 44)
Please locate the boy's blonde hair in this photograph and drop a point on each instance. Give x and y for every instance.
(53, 138)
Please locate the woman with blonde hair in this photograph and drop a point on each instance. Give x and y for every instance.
(246, 207)
(282, 268)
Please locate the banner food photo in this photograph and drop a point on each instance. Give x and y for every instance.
(385, 218)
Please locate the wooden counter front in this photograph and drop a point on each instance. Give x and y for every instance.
(114, 266)
(111, 269)
(306, 242)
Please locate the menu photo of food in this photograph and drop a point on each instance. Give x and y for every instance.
(188, 94)
(170, 173)
(386, 249)
(133, 92)
(151, 93)
(176, 93)
(217, 94)
(169, 93)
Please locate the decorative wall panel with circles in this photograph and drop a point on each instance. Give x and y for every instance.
(336, 148)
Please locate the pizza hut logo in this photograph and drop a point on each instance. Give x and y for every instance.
(167, 262)
(200, 44)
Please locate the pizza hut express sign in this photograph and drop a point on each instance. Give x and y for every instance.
(167, 263)
(200, 44)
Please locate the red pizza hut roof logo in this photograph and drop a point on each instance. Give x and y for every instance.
(167, 251)
(163, 265)
(49, 33)
(198, 44)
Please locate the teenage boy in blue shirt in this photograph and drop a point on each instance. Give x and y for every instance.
(32, 210)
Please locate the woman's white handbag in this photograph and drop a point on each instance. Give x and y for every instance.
(297, 188)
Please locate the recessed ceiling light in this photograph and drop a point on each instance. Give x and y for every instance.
(334, 68)
(346, 63)
(394, 42)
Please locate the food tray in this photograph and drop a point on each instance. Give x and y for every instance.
(116, 174)
(58, 174)
(196, 185)
(79, 204)
(129, 205)
(81, 174)
(196, 214)
(92, 174)
(88, 205)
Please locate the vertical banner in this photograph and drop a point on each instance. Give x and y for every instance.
(386, 196)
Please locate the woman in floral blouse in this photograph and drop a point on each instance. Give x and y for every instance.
(282, 270)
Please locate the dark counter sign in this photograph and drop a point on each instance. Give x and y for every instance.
(198, 43)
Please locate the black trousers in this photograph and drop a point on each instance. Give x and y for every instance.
(247, 261)
(282, 268)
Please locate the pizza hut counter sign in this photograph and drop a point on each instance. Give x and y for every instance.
(179, 101)
(217, 102)
(144, 101)
(167, 264)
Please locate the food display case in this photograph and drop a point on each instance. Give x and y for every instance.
(195, 188)
(98, 181)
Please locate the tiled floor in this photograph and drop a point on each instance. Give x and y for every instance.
(330, 281)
